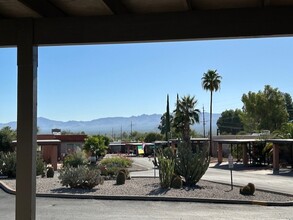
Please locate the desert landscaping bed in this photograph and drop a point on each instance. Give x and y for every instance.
(151, 187)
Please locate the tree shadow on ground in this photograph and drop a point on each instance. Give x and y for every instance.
(283, 172)
(241, 167)
(158, 190)
(72, 190)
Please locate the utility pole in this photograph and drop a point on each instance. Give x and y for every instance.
(131, 130)
(204, 123)
(121, 132)
(113, 135)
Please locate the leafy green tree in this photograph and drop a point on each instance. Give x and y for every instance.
(285, 132)
(105, 138)
(163, 127)
(211, 81)
(68, 132)
(152, 137)
(95, 145)
(264, 110)
(137, 136)
(289, 105)
(7, 135)
(185, 115)
(230, 122)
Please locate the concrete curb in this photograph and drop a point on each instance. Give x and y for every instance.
(7, 189)
(167, 199)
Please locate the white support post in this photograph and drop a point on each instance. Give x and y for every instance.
(27, 61)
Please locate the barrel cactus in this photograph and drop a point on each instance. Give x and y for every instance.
(50, 172)
(249, 189)
(176, 182)
(121, 177)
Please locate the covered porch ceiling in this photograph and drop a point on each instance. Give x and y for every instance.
(59, 22)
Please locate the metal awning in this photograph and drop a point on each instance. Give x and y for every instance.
(237, 141)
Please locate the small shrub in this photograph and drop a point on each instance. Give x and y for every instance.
(50, 172)
(103, 169)
(249, 189)
(75, 159)
(176, 182)
(80, 177)
(111, 166)
(8, 164)
(40, 167)
(121, 162)
(121, 177)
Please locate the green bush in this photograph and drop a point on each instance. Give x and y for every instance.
(111, 166)
(80, 177)
(8, 164)
(50, 172)
(121, 177)
(75, 159)
(40, 167)
(108, 171)
(121, 162)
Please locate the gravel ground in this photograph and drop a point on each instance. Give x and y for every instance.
(151, 187)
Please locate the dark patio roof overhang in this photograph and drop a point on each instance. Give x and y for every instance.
(63, 22)
(237, 141)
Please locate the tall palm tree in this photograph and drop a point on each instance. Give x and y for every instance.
(185, 115)
(211, 81)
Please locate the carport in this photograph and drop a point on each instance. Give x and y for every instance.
(276, 151)
(245, 143)
(27, 24)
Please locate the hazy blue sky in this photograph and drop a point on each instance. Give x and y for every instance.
(89, 82)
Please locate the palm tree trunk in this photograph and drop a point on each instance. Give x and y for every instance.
(211, 116)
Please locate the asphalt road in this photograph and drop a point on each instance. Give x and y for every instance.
(51, 208)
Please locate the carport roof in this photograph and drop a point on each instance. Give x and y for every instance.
(237, 141)
(58, 22)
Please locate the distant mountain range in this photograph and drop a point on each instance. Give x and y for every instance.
(141, 123)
